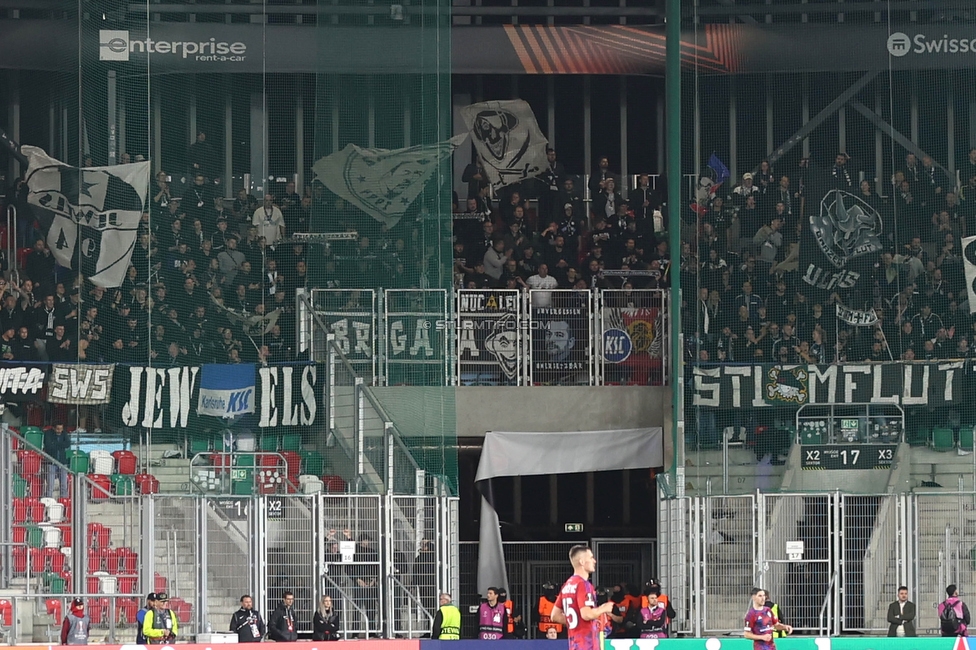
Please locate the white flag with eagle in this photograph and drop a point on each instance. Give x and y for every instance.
(90, 215)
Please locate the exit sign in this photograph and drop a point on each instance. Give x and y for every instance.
(573, 528)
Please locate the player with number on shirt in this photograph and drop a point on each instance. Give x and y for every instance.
(576, 605)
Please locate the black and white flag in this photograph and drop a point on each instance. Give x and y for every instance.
(383, 183)
(508, 139)
(91, 215)
(969, 266)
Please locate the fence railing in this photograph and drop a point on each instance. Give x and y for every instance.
(383, 559)
(833, 561)
(493, 336)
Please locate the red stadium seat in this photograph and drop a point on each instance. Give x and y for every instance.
(333, 483)
(54, 608)
(6, 612)
(127, 584)
(97, 609)
(125, 461)
(126, 610)
(19, 555)
(20, 510)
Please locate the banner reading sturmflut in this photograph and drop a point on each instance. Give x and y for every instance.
(90, 216)
(508, 139)
(226, 391)
(383, 183)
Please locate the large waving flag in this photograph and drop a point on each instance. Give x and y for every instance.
(708, 183)
(383, 183)
(90, 216)
(508, 139)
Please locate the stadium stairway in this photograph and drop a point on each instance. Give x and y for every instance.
(704, 472)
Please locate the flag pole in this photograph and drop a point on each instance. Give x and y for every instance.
(12, 148)
(673, 120)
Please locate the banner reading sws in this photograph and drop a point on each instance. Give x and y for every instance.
(168, 397)
(735, 386)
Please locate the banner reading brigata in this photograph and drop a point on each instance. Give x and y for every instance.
(165, 397)
(21, 383)
(734, 386)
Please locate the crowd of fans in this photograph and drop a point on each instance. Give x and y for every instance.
(745, 301)
(203, 264)
(560, 241)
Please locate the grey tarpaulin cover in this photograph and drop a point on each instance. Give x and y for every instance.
(508, 453)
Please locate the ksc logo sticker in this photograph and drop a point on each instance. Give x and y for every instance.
(617, 345)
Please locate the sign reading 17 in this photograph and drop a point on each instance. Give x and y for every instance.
(855, 454)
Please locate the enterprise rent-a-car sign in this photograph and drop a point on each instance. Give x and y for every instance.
(118, 45)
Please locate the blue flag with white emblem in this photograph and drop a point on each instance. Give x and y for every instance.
(226, 391)
(90, 216)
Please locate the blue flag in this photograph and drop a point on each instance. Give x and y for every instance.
(720, 173)
(226, 391)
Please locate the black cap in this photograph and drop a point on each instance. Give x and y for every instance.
(162, 595)
(151, 596)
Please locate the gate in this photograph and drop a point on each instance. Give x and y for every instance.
(727, 537)
(799, 553)
(619, 561)
(832, 561)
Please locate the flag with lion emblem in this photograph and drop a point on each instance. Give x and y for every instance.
(507, 137)
(383, 183)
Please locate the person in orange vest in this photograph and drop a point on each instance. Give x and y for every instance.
(652, 587)
(514, 629)
(544, 611)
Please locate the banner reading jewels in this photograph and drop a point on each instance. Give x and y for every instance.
(906, 384)
(287, 395)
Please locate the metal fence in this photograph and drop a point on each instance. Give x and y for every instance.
(529, 565)
(832, 561)
(383, 559)
(493, 336)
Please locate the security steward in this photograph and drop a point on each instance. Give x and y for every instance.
(546, 602)
(447, 620)
(778, 612)
(514, 629)
(160, 625)
(652, 586)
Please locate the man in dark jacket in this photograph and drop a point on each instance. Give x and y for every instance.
(247, 622)
(901, 614)
(282, 626)
(56, 445)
